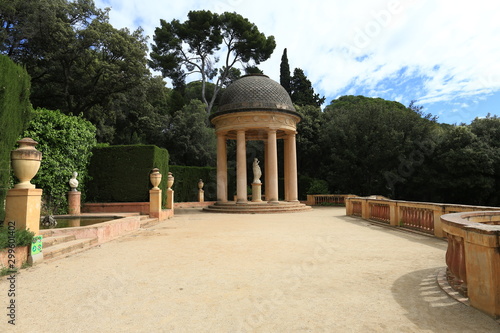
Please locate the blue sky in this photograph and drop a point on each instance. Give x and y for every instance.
(443, 54)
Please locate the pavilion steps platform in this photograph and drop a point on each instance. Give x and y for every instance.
(250, 207)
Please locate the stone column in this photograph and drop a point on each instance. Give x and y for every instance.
(221, 168)
(155, 203)
(74, 202)
(266, 171)
(291, 181)
(272, 164)
(241, 168)
(286, 166)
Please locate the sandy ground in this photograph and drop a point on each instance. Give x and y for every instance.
(316, 271)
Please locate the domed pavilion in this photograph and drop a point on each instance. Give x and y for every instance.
(254, 107)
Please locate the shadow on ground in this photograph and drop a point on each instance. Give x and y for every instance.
(431, 309)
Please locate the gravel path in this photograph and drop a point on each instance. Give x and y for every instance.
(316, 271)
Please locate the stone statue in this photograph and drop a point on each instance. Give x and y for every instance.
(73, 182)
(257, 173)
(49, 221)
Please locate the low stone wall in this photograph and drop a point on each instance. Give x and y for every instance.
(104, 231)
(473, 257)
(117, 207)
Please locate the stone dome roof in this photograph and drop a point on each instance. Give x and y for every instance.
(255, 92)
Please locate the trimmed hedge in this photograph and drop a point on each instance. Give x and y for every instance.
(186, 182)
(121, 173)
(15, 114)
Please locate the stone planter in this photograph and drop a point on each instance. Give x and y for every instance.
(25, 162)
(21, 256)
(155, 178)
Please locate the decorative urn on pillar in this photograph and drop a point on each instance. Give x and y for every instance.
(200, 184)
(155, 178)
(170, 180)
(25, 162)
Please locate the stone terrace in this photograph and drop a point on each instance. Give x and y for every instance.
(314, 271)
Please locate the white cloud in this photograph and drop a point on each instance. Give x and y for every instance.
(450, 48)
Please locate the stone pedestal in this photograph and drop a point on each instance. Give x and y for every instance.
(74, 202)
(22, 205)
(154, 203)
(256, 192)
(201, 195)
(170, 199)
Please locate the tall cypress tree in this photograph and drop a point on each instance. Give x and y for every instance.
(285, 76)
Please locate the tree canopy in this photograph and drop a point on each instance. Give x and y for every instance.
(79, 63)
(193, 46)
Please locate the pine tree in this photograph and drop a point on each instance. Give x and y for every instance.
(285, 77)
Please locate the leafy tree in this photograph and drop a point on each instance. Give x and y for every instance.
(419, 110)
(78, 62)
(142, 114)
(285, 77)
(370, 145)
(309, 153)
(181, 49)
(189, 140)
(66, 144)
(464, 168)
(302, 92)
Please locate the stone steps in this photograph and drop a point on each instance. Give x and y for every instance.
(58, 246)
(256, 208)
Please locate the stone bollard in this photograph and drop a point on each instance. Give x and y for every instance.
(201, 193)
(155, 193)
(170, 192)
(74, 196)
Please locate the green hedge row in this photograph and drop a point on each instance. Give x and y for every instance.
(186, 182)
(121, 173)
(15, 114)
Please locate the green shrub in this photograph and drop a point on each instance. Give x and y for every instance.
(15, 113)
(21, 237)
(186, 182)
(121, 173)
(318, 186)
(66, 143)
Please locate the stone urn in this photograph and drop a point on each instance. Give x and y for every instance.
(25, 162)
(155, 178)
(170, 181)
(200, 184)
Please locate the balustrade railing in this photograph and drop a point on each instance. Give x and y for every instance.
(380, 212)
(417, 218)
(356, 208)
(327, 199)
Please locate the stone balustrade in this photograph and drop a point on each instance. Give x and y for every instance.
(473, 257)
(327, 199)
(421, 216)
(472, 232)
